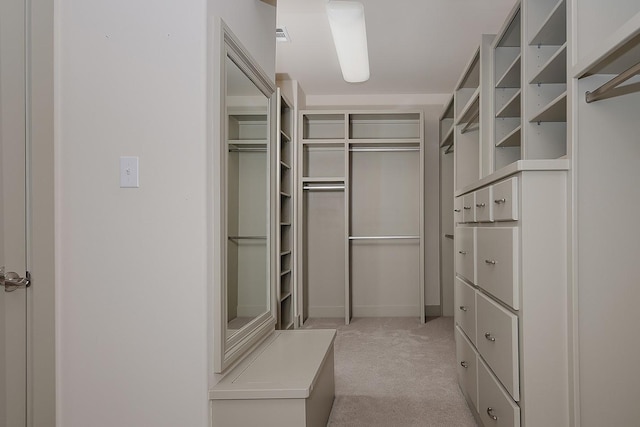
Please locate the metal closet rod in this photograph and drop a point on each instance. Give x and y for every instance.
(383, 237)
(375, 149)
(323, 187)
(601, 92)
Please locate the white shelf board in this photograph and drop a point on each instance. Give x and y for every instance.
(283, 194)
(553, 31)
(448, 138)
(612, 55)
(285, 165)
(512, 107)
(284, 273)
(319, 142)
(286, 137)
(554, 70)
(512, 139)
(248, 142)
(284, 296)
(470, 107)
(285, 253)
(511, 77)
(384, 141)
(323, 179)
(555, 111)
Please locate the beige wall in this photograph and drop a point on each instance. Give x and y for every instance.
(132, 264)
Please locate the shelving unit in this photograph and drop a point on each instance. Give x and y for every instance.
(285, 265)
(345, 157)
(507, 92)
(446, 126)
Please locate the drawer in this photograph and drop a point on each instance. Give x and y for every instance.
(465, 252)
(495, 407)
(505, 200)
(497, 263)
(484, 205)
(467, 368)
(465, 308)
(497, 342)
(457, 210)
(468, 207)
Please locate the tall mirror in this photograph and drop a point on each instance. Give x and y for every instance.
(245, 158)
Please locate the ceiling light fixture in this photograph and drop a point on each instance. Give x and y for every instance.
(346, 19)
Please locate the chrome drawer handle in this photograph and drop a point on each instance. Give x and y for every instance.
(463, 308)
(480, 205)
(489, 337)
(490, 413)
(500, 201)
(456, 210)
(490, 261)
(462, 252)
(466, 208)
(464, 364)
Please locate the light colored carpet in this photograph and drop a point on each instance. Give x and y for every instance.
(395, 372)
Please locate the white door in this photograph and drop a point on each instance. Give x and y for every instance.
(13, 248)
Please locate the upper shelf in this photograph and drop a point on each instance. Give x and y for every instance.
(554, 70)
(511, 77)
(553, 31)
(555, 111)
(470, 108)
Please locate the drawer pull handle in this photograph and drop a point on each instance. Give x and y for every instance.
(463, 308)
(462, 252)
(490, 261)
(480, 205)
(489, 337)
(464, 364)
(490, 413)
(500, 201)
(466, 208)
(456, 210)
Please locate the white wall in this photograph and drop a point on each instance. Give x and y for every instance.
(432, 106)
(132, 320)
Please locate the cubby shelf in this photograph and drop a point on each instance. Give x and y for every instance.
(512, 107)
(555, 111)
(554, 70)
(512, 139)
(553, 31)
(511, 77)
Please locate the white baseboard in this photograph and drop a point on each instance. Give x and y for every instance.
(386, 311)
(326, 311)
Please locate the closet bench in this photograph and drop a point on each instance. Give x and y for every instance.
(287, 382)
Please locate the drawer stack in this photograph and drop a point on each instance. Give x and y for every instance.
(510, 291)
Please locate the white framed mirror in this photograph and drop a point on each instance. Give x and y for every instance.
(245, 300)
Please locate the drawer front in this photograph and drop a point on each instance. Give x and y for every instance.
(505, 200)
(468, 207)
(484, 205)
(457, 210)
(465, 252)
(497, 265)
(467, 368)
(495, 407)
(465, 308)
(497, 342)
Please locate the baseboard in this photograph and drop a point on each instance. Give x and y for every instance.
(326, 311)
(386, 311)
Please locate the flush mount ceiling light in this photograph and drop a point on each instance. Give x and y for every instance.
(346, 19)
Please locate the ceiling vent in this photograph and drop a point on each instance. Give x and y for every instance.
(282, 35)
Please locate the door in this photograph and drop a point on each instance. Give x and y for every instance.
(13, 247)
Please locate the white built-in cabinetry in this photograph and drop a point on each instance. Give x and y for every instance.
(605, 149)
(511, 234)
(360, 206)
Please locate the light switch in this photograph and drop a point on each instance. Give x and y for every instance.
(129, 177)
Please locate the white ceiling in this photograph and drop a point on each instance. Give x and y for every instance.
(415, 46)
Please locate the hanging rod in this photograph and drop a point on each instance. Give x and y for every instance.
(367, 149)
(247, 237)
(384, 237)
(466, 127)
(612, 84)
(323, 187)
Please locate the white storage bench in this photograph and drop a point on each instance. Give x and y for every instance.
(288, 382)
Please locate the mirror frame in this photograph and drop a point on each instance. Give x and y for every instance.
(228, 350)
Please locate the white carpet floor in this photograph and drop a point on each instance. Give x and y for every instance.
(395, 372)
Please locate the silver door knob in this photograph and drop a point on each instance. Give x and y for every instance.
(12, 281)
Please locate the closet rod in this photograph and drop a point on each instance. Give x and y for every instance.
(449, 149)
(247, 237)
(323, 187)
(385, 149)
(384, 237)
(471, 121)
(600, 93)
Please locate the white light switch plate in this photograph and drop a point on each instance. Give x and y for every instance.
(129, 176)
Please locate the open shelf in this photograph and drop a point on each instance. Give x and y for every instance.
(284, 296)
(511, 107)
(555, 111)
(554, 70)
(285, 137)
(285, 165)
(512, 139)
(470, 108)
(311, 179)
(447, 138)
(283, 194)
(511, 77)
(553, 31)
